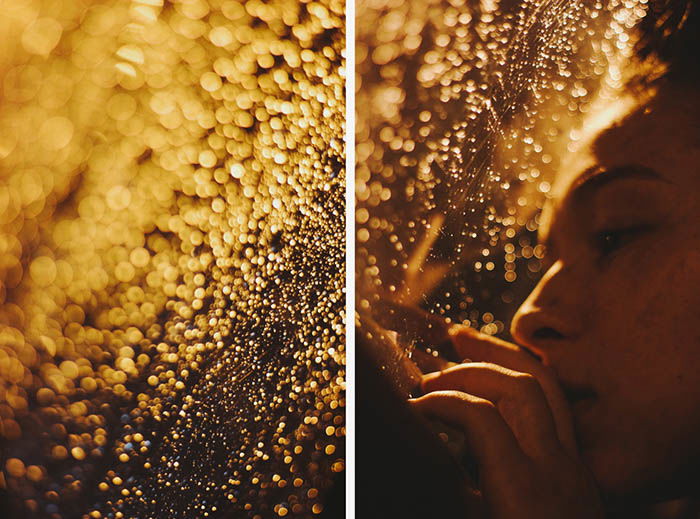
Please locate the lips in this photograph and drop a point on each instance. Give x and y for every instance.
(576, 393)
(583, 403)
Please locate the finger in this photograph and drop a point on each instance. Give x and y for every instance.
(470, 343)
(480, 347)
(489, 438)
(517, 396)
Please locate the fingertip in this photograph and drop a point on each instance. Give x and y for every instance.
(415, 402)
(427, 379)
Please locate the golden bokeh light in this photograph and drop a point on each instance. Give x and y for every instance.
(171, 256)
(465, 113)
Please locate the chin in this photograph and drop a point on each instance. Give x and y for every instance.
(610, 472)
(624, 477)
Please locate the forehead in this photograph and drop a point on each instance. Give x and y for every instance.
(627, 138)
(661, 134)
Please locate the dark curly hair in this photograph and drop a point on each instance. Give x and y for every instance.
(670, 33)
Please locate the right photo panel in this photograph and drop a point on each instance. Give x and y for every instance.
(527, 259)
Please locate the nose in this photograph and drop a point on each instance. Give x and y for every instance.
(551, 314)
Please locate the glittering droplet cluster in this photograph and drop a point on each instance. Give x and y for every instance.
(465, 110)
(171, 257)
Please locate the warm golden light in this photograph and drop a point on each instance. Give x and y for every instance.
(172, 250)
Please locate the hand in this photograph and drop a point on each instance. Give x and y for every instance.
(518, 427)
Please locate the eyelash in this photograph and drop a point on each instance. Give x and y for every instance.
(610, 241)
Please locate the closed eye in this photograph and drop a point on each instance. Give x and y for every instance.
(610, 241)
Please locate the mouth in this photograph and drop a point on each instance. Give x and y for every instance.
(576, 394)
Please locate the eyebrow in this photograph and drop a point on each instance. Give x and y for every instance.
(596, 177)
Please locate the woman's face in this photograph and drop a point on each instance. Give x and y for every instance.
(617, 313)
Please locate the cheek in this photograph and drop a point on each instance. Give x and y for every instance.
(648, 331)
(653, 293)
(647, 426)
(668, 297)
(653, 342)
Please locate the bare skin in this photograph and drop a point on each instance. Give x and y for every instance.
(610, 414)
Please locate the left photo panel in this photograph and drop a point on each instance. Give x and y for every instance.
(172, 259)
